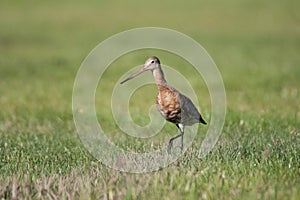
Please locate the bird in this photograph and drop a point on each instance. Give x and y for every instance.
(172, 105)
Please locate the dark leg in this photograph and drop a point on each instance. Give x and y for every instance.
(181, 146)
(171, 142)
(181, 128)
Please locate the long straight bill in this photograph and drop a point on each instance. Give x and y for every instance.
(134, 75)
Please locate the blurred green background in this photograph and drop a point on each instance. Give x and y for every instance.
(254, 43)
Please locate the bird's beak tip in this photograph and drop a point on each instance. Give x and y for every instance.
(122, 82)
(133, 75)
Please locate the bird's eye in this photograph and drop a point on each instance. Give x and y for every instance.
(152, 61)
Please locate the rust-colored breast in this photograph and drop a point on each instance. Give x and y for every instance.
(168, 104)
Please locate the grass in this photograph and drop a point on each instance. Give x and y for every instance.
(255, 45)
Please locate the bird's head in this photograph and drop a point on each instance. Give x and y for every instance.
(151, 64)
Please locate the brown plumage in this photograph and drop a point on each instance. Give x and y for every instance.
(173, 106)
(167, 102)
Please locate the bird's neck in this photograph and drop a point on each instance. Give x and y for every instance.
(159, 77)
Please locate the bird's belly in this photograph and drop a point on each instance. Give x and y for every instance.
(169, 108)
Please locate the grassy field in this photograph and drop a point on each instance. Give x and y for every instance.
(256, 46)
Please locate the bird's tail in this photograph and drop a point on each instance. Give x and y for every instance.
(201, 120)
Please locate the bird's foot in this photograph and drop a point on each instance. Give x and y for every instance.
(170, 146)
(181, 148)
